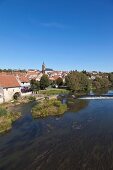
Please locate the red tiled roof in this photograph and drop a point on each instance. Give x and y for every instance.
(8, 81)
(54, 78)
(24, 79)
(32, 72)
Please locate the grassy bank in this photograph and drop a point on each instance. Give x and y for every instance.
(53, 91)
(48, 107)
(6, 119)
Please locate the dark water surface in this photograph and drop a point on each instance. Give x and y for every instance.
(81, 139)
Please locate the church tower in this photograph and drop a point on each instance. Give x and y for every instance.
(43, 68)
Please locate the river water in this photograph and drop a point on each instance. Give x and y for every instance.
(81, 139)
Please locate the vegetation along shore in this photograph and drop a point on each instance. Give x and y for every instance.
(7, 118)
(48, 108)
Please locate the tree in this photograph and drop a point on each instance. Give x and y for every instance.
(84, 71)
(100, 83)
(44, 82)
(77, 81)
(35, 85)
(59, 81)
(110, 76)
(96, 84)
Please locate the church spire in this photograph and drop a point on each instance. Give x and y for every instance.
(43, 68)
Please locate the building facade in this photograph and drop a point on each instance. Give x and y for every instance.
(9, 88)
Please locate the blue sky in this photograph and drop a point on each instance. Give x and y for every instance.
(65, 34)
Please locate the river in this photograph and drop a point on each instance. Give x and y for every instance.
(81, 139)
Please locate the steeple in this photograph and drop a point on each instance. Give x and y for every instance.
(43, 68)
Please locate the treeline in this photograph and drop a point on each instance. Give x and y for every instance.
(12, 70)
(45, 82)
(81, 81)
(76, 82)
(103, 82)
(42, 84)
(99, 83)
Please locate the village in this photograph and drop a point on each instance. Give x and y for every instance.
(17, 82)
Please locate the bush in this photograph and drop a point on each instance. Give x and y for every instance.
(6, 119)
(3, 111)
(54, 91)
(49, 107)
(32, 98)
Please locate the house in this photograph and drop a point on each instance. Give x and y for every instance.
(39, 76)
(9, 88)
(1, 95)
(25, 85)
(32, 74)
(24, 81)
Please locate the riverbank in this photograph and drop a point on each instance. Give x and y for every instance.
(54, 91)
(7, 118)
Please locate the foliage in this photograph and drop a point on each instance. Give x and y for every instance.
(84, 71)
(54, 91)
(100, 83)
(16, 96)
(44, 82)
(6, 119)
(35, 85)
(49, 107)
(59, 81)
(110, 76)
(3, 111)
(77, 81)
(11, 70)
(32, 98)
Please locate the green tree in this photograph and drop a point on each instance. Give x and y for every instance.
(44, 82)
(100, 83)
(35, 85)
(96, 84)
(84, 71)
(59, 81)
(77, 81)
(110, 76)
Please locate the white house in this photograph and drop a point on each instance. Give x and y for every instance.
(9, 88)
(23, 81)
(1, 95)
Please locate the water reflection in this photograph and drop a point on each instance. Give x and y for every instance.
(76, 105)
(104, 91)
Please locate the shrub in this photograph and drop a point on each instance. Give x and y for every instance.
(32, 98)
(54, 91)
(3, 111)
(6, 119)
(49, 107)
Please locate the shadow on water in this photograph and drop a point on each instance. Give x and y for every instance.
(76, 105)
(81, 139)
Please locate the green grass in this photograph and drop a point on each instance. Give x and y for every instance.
(3, 111)
(32, 98)
(6, 119)
(48, 107)
(54, 91)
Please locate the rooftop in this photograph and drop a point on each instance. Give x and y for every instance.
(8, 81)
